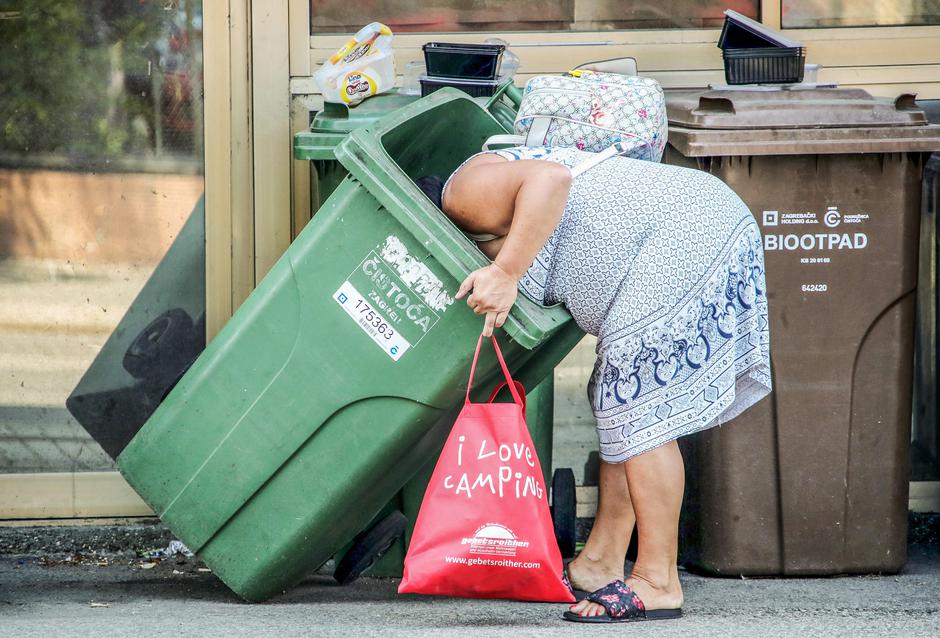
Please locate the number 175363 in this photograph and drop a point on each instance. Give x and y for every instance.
(372, 318)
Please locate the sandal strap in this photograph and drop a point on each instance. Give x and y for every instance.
(619, 600)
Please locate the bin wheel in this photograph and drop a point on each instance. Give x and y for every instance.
(162, 347)
(172, 384)
(199, 343)
(370, 546)
(564, 510)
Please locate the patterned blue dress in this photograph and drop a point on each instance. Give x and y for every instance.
(665, 266)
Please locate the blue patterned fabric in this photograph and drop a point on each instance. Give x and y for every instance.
(665, 266)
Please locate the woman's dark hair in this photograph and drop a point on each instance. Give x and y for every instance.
(432, 186)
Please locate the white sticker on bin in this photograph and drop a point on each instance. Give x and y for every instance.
(371, 321)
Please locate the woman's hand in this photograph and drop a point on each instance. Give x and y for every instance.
(492, 292)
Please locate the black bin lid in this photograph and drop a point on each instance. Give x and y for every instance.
(741, 32)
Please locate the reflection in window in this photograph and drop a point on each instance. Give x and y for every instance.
(851, 13)
(342, 16)
(100, 167)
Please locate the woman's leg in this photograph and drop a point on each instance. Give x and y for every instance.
(601, 561)
(656, 480)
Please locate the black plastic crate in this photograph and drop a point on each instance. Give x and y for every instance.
(741, 32)
(463, 61)
(764, 65)
(734, 36)
(475, 88)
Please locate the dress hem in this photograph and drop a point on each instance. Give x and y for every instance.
(751, 385)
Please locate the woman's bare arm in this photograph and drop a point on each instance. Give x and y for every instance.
(523, 202)
(539, 204)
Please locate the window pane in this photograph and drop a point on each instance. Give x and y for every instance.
(851, 13)
(342, 16)
(101, 166)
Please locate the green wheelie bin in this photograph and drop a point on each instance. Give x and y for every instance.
(340, 375)
(328, 129)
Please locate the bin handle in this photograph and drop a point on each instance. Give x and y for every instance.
(715, 105)
(906, 102)
(513, 92)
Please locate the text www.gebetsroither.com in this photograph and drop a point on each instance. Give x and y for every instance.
(490, 562)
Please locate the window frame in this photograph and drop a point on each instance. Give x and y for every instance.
(867, 57)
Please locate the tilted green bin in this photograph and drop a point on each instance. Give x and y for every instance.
(328, 129)
(340, 375)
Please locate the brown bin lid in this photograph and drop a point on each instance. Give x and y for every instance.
(796, 122)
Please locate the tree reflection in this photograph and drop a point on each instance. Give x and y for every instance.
(98, 80)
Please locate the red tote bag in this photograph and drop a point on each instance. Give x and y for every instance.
(484, 528)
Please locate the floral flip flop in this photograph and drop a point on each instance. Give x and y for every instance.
(622, 605)
(579, 594)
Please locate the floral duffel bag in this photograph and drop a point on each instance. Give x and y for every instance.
(592, 111)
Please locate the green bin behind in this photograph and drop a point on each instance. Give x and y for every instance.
(304, 416)
(330, 127)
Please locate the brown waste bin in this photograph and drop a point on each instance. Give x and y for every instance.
(814, 479)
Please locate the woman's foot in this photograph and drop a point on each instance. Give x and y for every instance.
(662, 593)
(590, 574)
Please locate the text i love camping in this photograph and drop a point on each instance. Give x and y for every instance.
(503, 469)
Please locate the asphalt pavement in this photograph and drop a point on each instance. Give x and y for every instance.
(110, 594)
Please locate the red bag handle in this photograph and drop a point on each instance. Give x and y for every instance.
(502, 363)
(519, 387)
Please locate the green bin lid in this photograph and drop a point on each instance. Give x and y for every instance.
(331, 125)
